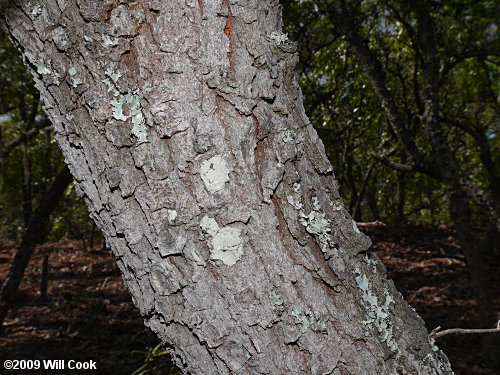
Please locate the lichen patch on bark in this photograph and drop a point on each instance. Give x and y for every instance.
(214, 173)
(226, 244)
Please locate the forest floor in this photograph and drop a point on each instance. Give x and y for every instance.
(88, 314)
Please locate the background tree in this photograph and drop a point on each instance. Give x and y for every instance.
(31, 186)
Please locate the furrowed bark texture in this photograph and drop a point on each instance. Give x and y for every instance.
(183, 125)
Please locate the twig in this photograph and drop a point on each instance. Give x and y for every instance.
(375, 223)
(436, 333)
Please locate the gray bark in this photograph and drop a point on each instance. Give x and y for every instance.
(182, 123)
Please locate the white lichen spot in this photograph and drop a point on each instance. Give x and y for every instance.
(69, 117)
(337, 205)
(72, 71)
(355, 227)
(172, 215)
(278, 37)
(36, 11)
(214, 173)
(109, 41)
(226, 244)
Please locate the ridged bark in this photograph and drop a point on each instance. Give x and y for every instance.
(182, 123)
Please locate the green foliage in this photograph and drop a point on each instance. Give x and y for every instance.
(151, 358)
(347, 112)
(29, 156)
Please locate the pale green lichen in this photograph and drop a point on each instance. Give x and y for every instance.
(133, 100)
(214, 173)
(139, 129)
(308, 319)
(278, 37)
(379, 320)
(69, 117)
(113, 75)
(42, 69)
(276, 300)
(337, 205)
(75, 81)
(315, 222)
(226, 244)
(433, 363)
(432, 344)
(288, 136)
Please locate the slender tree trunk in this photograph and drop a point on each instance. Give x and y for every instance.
(357, 213)
(27, 198)
(183, 125)
(372, 201)
(34, 234)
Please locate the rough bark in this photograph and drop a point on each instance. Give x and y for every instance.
(182, 123)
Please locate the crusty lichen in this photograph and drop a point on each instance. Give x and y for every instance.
(133, 100)
(214, 173)
(276, 300)
(75, 81)
(379, 320)
(226, 244)
(278, 37)
(308, 319)
(315, 222)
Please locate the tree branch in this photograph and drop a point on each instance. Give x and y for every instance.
(375, 73)
(376, 223)
(436, 333)
(39, 125)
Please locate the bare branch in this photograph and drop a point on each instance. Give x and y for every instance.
(39, 125)
(376, 223)
(436, 333)
(394, 165)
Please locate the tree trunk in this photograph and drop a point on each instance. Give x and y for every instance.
(182, 123)
(35, 233)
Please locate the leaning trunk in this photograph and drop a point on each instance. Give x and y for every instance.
(183, 125)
